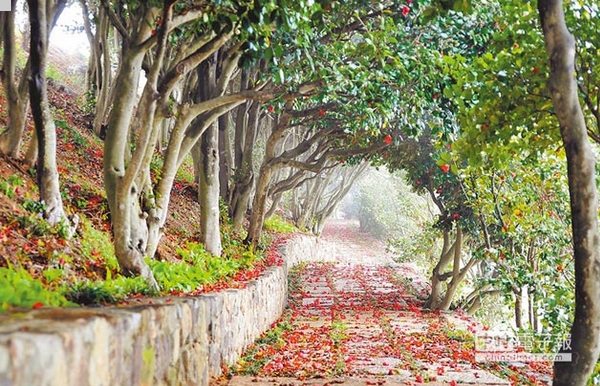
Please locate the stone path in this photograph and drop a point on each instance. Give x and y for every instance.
(360, 322)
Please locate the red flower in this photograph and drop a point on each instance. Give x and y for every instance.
(37, 305)
(405, 10)
(455, 216)
(270, 108)
(322, 112)
(445, 168)
(387, 139)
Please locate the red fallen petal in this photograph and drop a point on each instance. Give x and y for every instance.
(37, 305)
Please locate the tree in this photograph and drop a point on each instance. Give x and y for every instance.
(148, 34)
(16, 91)
(16, 88)
(40, 14)
(585, 333)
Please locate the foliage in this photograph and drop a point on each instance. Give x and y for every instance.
(278, 224)
(11, 185)
(37, 225)
(197, 268)
(185, 173)
(19, 289)
(106, 291)
(97, 245)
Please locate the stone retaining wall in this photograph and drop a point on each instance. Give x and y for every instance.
(169, 341)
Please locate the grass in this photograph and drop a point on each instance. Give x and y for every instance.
(196, 268)
(295, 279)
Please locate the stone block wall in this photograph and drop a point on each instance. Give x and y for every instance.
(168, 341)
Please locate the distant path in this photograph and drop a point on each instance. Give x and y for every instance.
(359, 321)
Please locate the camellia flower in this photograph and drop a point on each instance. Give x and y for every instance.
(405, 10)
(387, 139)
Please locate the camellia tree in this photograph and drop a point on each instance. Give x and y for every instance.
(204, 36)
(500, 128)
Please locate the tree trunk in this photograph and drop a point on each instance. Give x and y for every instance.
(435, 297)
(347, 180)
(518, 309)
(581, 166)
(130, 234)
(93, 66)
(244, 174)
(457, 276)
(274, 205)
(47, 173)
(225, 159)
(16, 92)
(103, 74)
(209, 191)
(257, 217)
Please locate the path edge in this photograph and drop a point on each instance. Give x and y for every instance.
(172, 341)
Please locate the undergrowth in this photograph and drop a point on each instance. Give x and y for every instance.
(277, 224)
(19, 289)
(84, 270)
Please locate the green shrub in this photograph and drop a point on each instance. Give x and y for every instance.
(19, 289)
(279, 225)
(198, 267)
(106, 291)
